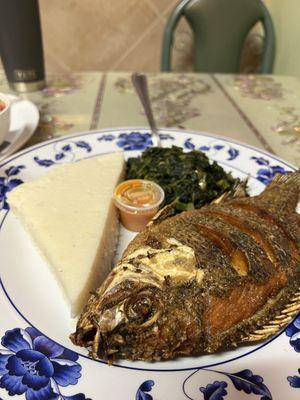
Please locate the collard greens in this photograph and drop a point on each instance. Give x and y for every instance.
(189, 178)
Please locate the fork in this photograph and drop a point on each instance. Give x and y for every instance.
(139, 82)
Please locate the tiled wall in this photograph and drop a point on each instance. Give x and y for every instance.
(121, 35)
(126, 35)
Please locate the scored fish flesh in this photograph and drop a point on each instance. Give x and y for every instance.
(202, 280)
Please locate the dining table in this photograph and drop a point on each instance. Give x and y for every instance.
(249, 124)
(260, 110)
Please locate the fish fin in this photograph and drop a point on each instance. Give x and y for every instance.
(239, 190)
(278, 322)
(288, 179)
(166, 212)
(283, 186)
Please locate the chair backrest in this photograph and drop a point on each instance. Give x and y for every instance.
(220, 28)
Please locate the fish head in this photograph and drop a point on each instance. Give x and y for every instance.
(146, 301)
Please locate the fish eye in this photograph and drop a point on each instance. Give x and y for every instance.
(141, 308)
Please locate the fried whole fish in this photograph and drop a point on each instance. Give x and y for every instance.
(202, 280)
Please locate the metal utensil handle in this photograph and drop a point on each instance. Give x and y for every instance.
(140, 84)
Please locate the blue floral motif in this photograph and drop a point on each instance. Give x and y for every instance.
(260, 160)
(43, 162)
(267, 172)
(204, 148)
(134, 141)
(84, 145)
(106, 138)
(214, 391)
(143, 391)
(8, 183)
(233, 154)
(133, 138)
(64, 151)
(59, 156)
(266, 175)
(188, 144)
(231, 151)
(244, 381)
(247, 382)
(67, 147)
(34, 365)
(294, 380)
(293, 332)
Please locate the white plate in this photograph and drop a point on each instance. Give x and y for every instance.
(24, 121)
(35, 365)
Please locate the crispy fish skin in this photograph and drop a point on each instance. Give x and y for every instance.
(199, 281)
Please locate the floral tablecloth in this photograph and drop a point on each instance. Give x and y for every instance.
(261, 110)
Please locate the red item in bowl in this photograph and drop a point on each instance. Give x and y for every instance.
(2, 105)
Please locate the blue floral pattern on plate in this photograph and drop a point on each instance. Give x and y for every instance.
(268, 171)
(62, 153)
(8, 183)
(294, 380)
(215, 390)
(243, 381)
(293, 332)
(247, 382)
(34, 365)
(134, 140)
(232, 152)
(143, 391)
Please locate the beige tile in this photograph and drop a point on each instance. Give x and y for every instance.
(54, 64)
(120, 107)
(182, 52)
(93, 34)
(164, 5)
(154, 8)
(146, 55)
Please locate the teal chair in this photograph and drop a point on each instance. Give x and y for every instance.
(219, 29)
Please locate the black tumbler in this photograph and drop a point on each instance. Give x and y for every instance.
(21, 47)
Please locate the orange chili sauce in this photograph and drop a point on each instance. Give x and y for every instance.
(138, 201)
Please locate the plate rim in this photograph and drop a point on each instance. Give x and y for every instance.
(142, 128)
(126, 129)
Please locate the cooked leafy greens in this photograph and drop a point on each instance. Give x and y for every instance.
(189, 178)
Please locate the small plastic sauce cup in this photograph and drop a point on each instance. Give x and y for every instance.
(138, 201)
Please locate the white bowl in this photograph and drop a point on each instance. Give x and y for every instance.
(4, 116)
